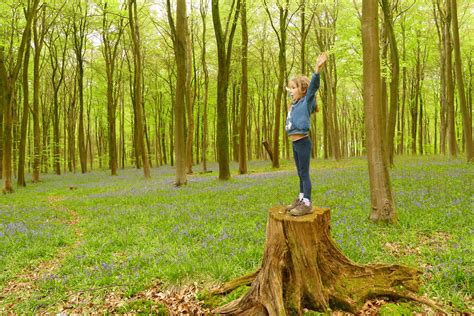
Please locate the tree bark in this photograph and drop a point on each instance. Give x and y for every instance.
(440, 21)
(224, 51)
(57, 65)
(303, 268)
(110, 51)
(281, 35)
(243, 93)
(466, 117)
(394, 84)
(383, 208)
(79, 49)
(189, 99)
(180, 47)
(138, 75)
(205, 136)
(3, 101)
(449, 84)
(8, 81)
(24, 120)
(326, 34)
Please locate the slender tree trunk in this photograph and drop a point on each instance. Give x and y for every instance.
(8, 83)
(383, 209)
(110, 50)
(281, 35)
(24, 120)
(3, 101)
(205, 133)
(234, 125)
(336, 139)
(243, 92)
(224, 51)
(304, 34)
(189, 100)
(401, 120)
(440, 21)
(394, 84)
(79, 26)
(56, 85)
(420, 123)
(466, 117)
(122, 129)
(449, 85)
(180, 47)
(137, 61)
(36, 114)
(384, 51)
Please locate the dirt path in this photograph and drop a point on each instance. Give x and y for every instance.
(23, 286)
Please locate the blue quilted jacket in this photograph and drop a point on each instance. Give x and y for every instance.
(298, 119)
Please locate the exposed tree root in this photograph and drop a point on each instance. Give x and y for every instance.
(303, 268)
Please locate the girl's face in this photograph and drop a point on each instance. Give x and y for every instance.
(294, 91)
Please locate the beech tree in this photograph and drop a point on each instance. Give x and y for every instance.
(24, 119)
(224, 52)
(7, 85)
(466, 117)
(137, 87)
(112, 30)
(394, 82)
(280, 32)
(179, 37)
(79, 25)
(243, 92)
(383, 208)
(205, 133)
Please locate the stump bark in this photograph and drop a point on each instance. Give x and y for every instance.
(303, 268)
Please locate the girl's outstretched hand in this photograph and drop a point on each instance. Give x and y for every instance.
(321, 61)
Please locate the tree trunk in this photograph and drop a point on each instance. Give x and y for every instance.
(440, 21)
(449, 84)
(56, 84)
(189, 98)
(36, 110)
(24, 120)
(281, 35)
(466, 117)
(383, 208)
(122, 129)
(180, 47)
(110, 51)
(394, 84)
(224, 51)
(243, 93)
(8, 83)
(420, 122)
(3, 101)
(235, 122)
(303, 268)
(205, 136)
(137, 61)
(79, 48)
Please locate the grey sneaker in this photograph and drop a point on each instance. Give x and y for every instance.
(302, 209)
(295, 203)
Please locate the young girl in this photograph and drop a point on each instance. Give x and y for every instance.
(302, 93)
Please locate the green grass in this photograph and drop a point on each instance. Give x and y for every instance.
(134, 232)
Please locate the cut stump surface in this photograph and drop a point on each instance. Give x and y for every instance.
(303, 268)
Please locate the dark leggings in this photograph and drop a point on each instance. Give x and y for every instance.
(302, 154)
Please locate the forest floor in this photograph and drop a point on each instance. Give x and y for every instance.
(93, 243)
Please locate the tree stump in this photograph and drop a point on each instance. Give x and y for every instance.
(303, 268)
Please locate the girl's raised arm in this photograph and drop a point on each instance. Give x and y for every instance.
(315, 81)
